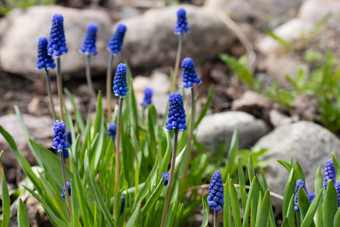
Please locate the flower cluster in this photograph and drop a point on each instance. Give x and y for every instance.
(300, 183)
(112, 130)
(44, 60)
(330, 173)
(57, 42)
(216, 192)
(89, 44)
(166, 178)
(182, 24)
(119, 84)
(189, 73)
(68, 185)
(59, 141)
(176, 114)
(116, 42)
(148, 92)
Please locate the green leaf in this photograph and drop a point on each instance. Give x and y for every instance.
(206, 106)
(249, 202)
(288, 220)
(22, 215)
(231, 154)
(250, 166)
(5, 200)
(308, 220)
(235, 204)
(25, 166)
(242, 183)
(337, 218)
(135, 220)
(263, 212)
(78, 117)
(226, 206)
(288, 192)
(205, 218)
(303, 202)
(153, 198)
(330, 204)
(318, 187)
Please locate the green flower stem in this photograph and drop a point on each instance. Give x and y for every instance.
(178, 56)
(68, 202)
(88, 76)
(172, 170)
(60, 89)
(120, 107)
(48, 85)
(191, 129)
(109, 86)
(143, 115)
(215, 219)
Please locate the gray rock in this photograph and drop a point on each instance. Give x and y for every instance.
(40, 129)
(314, 10)
(308, 143)
(150, 39)
(18, 45)
(219, 127)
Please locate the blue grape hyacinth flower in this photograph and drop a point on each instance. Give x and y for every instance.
(120, 87)
(216, 192)
(311, 196)
(148, 92)
(176, 114)
(330, 173)
(89, 44)
(57, 42)
(44, 60)
(68, 185)
(166, 178)
(337, 187)
(59, 141)
(182, 24)
(122, 205)
(116, 42)
(189, 73)
(112, 130)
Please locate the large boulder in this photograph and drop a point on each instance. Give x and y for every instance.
(219, 127)
(23, 27)
(150, 40)
(308, 143)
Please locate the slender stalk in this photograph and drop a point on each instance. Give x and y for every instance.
(143, 114)
(178, 57)
(191, 129)
(68, 202)
(48, 85)
(88, 76)
(109, 86)
(172, 169)
(120, 107)
(215, 219)
(60, 89)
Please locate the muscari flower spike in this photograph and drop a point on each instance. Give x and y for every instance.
(68, 185)
(122, 206)
(148, 92)
(330, 173)
(44, 60)
(189, 73)
(89, 44)
(116, 42)
(182, 24)
(216, 192)
(337, 187)
(57, 42)
(176, 114)
(112, 130)
(300, 183)
(59, 141)
(119, 84)
(166, 178)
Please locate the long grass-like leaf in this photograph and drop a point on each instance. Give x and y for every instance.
(5, 200)
(22, 216)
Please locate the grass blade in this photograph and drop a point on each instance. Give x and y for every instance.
(22, 215)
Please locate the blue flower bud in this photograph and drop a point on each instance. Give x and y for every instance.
(116, 42)
(89, 44)
(68, 185)
(189, 73)
(330, 173)
(57, 42)
(182, 25)
(44, 60)
(166, 178)
(59, 141)
(148, 92)
(216, 192)
(120, 87)
(112, 130)
(176, 114)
